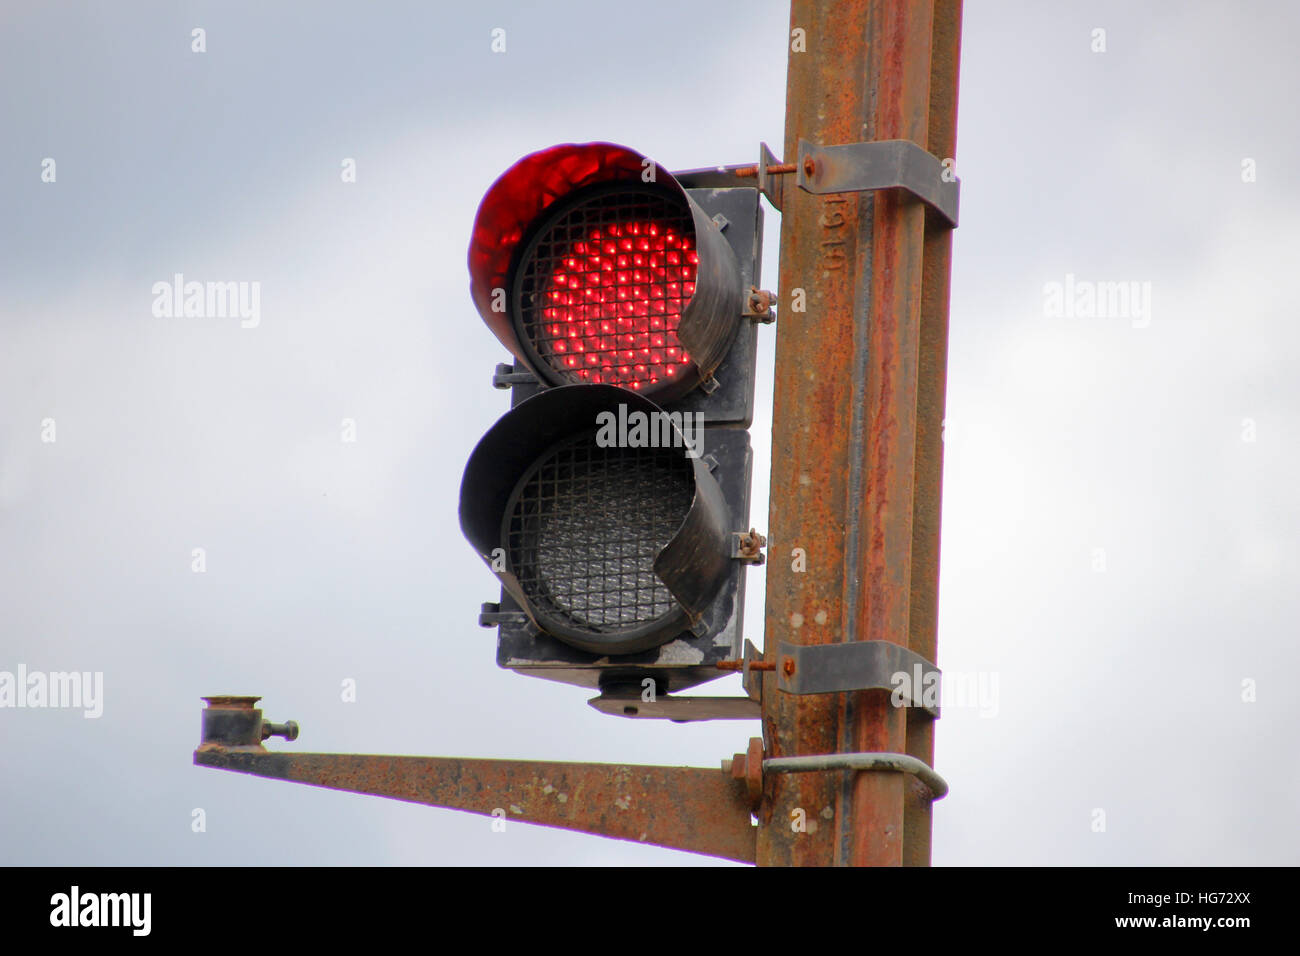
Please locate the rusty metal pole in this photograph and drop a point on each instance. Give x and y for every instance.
(857, 419)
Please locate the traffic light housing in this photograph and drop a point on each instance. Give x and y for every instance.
(593, 266)
(611, 499)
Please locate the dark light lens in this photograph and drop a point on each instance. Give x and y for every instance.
(584, 528)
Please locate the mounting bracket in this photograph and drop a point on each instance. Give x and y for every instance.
(768, 184)
(683, 710)
(885, 164)
(508, 376)
(858, 665)
(748, 546)
(491, 615)
(680, 710)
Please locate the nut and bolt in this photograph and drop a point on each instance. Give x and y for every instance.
(748, 172)
(236, 722)
(288, 730)
(751, 545)
(749, 768)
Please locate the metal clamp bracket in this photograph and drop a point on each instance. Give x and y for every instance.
(885, 164)
(758, 306)
(902, 763)
(858, 665)
(767, 171)
(767, 185)
(680, 710)
(748, 546)
(751, 677)
(507, 376)
(491, 615)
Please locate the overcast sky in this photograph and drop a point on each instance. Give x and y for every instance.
(1120, 546)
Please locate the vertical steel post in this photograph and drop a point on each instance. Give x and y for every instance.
(857, 419)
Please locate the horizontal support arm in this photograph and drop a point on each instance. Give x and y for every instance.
(683, 808)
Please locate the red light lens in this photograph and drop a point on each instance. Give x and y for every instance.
(604, 290)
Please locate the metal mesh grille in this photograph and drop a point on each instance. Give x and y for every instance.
(586, 527)
(603, 289)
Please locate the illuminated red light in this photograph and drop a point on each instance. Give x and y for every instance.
(611, 303)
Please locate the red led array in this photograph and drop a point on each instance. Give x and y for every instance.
(610, 306)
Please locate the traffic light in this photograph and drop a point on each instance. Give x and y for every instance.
(612, 500)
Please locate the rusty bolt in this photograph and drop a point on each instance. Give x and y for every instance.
(749, 768)
(759, 306)
(787, 666)
(740, 665)
(751, 544)
(748, 172)
(288, 730)
(809, 167)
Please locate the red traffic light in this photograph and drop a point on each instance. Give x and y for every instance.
(593, 266)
